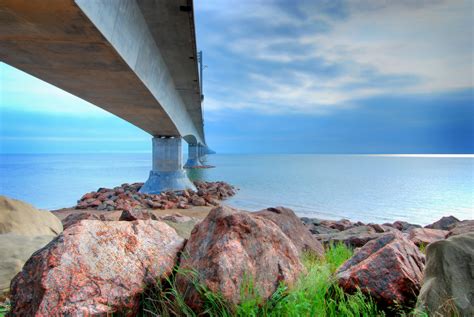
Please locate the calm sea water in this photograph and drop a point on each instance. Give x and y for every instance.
(366, 188)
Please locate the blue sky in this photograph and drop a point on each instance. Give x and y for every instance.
(291, 77)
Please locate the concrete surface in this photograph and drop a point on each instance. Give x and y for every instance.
(167, 172)
(193, 157)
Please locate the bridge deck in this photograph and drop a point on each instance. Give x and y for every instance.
(118, 55)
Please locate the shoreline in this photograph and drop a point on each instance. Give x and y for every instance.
(199, 212)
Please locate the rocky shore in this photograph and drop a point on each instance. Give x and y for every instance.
(357, 234)
(128, 197)
(117, 244)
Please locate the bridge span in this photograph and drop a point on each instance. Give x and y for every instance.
(136, 59)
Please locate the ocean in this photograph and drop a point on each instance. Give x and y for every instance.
(369, 188)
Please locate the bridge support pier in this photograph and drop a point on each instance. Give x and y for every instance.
(201, 152)
(167, 172)
(193, 156)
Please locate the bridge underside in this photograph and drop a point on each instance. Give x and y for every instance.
(134, 58)
(107, 55)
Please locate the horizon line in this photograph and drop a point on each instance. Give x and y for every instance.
(432, 155)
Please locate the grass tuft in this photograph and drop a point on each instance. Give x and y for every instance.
(422, 248)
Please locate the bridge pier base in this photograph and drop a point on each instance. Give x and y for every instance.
(167, 172)
(193, 157)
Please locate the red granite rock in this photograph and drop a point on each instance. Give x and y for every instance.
(136, 214)
(128, 197)
(229, 247)
(74, 218)
(461, 227)
(182, 205)
(95, 203)
(341, 225)
(169, 205)
(425, 236)
(389, 269)
(95, 268)
(88, 196)
(292, 226)
(198, 201)
(211, 200)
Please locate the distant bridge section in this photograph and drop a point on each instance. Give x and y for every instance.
(134, 58)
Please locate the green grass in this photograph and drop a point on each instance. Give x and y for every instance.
(315, 294)
(4, 310)
(422, 248)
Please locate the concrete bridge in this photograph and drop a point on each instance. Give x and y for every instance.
(134, 58)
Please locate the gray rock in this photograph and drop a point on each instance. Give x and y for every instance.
(353, 237)
(15, 250)
(311, 221)
(102, 206)
(317, 229)
(403, 226)
(448, 283)
(23, 219)
(445, 223)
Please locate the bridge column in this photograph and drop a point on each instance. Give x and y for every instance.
(193, 156)
(201, 152)
(167, 172)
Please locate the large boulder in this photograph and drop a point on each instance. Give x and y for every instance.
(448, 282)
(15, 250)
(230, 247)
(292, 226)
(425, 236)
(21, 218)
(95, 268)
(389, 269)
(23, 230)
(461, 227)
(445, 223)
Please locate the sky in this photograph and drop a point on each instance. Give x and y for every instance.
(291, 77)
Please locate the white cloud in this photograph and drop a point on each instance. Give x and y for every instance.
(430, 42)
(381, 48)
